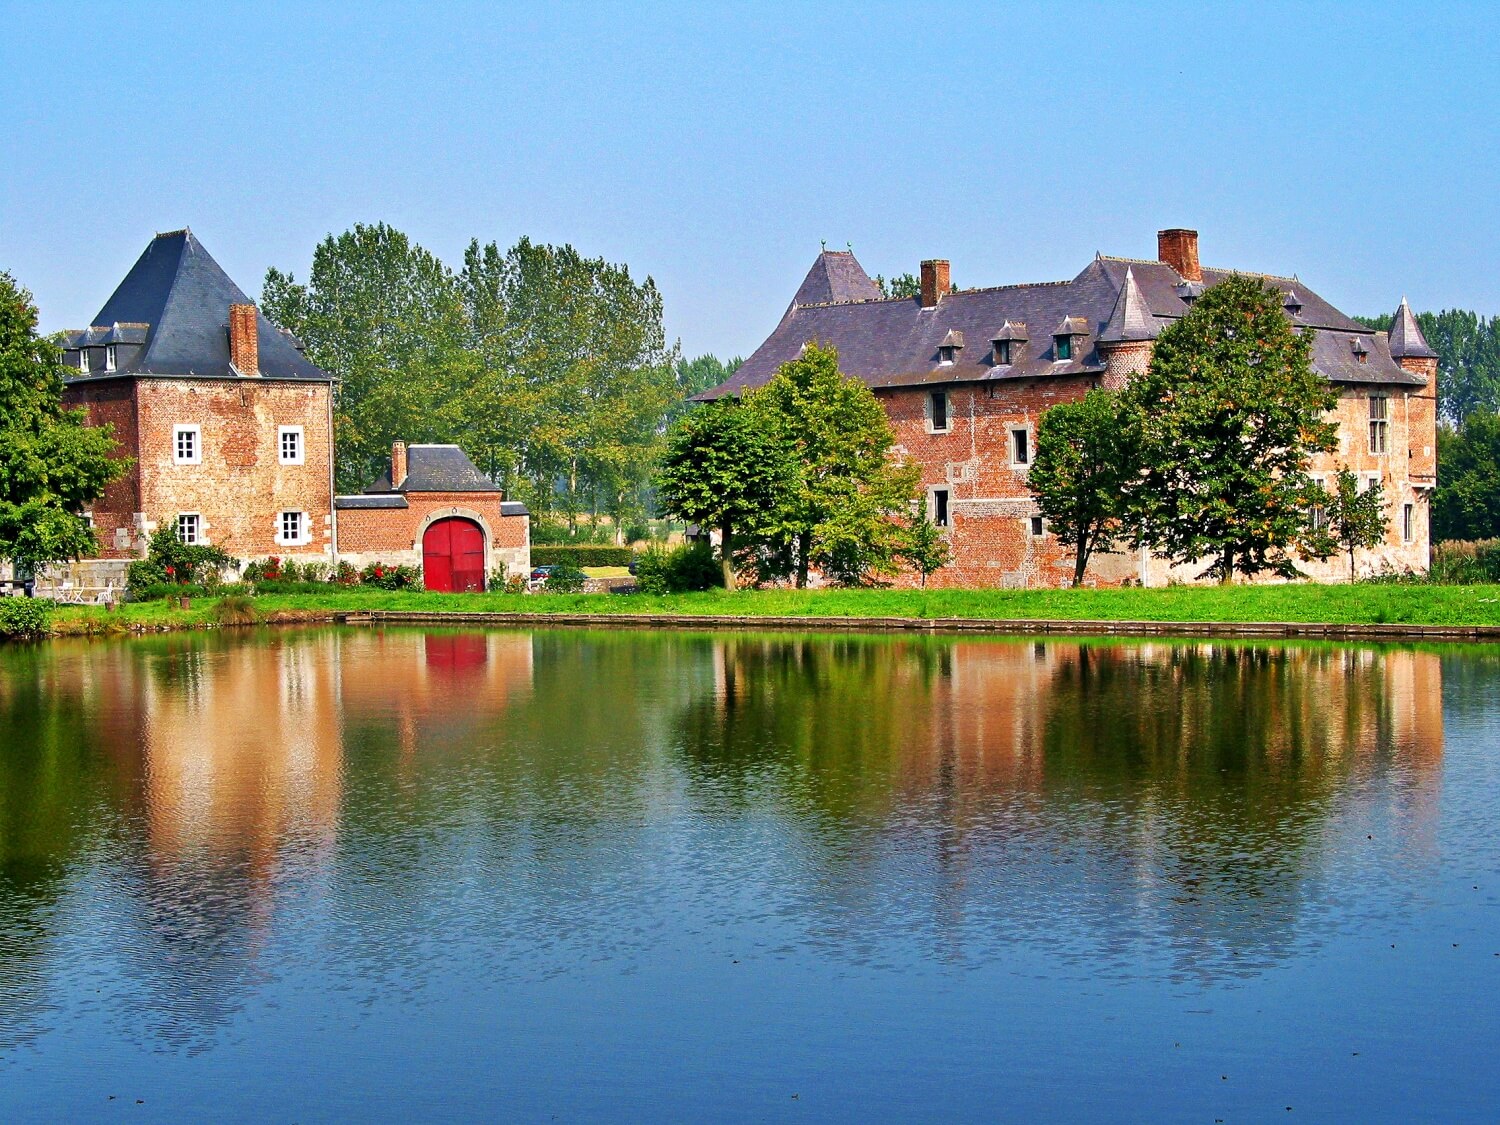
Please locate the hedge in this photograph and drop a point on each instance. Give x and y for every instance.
(1459, 563)
(23, 617)
(585, 555)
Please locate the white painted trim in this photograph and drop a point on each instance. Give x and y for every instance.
(197, 431)
(281, 457)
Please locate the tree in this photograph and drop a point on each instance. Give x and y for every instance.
(385, 318)
(1466, 504)
(694, 376)
(924, 547)
(906, 285)
(52, 464)
(1230, 412)
(1349, 518)
(1086, 457)
(726, 470)
(844, 514)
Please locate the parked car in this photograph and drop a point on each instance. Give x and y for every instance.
(539, 573)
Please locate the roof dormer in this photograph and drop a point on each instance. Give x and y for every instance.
(1066, 337)
(950, 347)
(1292, 304)
(1009, 343)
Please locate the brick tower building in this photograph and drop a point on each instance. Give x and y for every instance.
(229, 425)
(966, 375)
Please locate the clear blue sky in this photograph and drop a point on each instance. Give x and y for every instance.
(713, 147)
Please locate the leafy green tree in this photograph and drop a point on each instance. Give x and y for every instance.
(1348, 518)
(905, 285)
(725, 469)
(1087, 455)
(51, 463)
(1468, 348)
(1466, 504)
(694, 376)
(924, 548)
(385, 318)
(845, 514)
(1229, 412)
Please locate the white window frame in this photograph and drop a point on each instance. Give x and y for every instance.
(1380, 425)
(110, 357)
(194, 521)
(178, 431)
(1408, 523)
(83, 360)
(932, 426)
(932, 506)
(302, 528)
(1024, 432)
(282, 433)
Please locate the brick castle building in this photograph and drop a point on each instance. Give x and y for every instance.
(230, 431)
(965, 376)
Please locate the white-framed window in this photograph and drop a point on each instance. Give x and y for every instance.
(1369, 481)
(1038, 527)
(187, 445)
(1317, 516)
(110, 358)
(939, 507)
(190, 528)
(1408, 523)
(83, 360)
(1379, 424)
(1020, 445)
(939, 416)
(290, 447)
(290, 527)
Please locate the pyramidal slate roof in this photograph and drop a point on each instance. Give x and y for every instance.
(171, 315)
(1406, 335)
(895, 342)
(436, 468)
(1131, 317)
(836, 276)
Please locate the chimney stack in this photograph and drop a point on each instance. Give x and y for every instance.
(398, 464)
(1178, 248)
(244, 340)
(934, 281)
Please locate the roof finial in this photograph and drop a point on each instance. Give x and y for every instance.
(823, 244)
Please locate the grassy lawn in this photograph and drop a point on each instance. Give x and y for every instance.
(1364, 604)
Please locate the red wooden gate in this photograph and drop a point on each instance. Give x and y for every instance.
(453, 556)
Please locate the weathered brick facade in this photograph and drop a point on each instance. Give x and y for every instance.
(386, 535)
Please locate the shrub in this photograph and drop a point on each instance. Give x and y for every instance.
(24, 618)
(556, 534)
(636, 532)
(345, 574)
(565, 579)
(315, 572)
(679, 570)
(515, 584)
(1465, 563)
(235, 609)
(384, 576)
(169, 561)
(577, 556)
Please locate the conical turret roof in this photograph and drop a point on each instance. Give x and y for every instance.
(1131, 317)
(1406, 336)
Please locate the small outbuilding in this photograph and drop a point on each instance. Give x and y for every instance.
(435, 510)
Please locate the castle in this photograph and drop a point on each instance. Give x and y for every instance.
(966, 375)
(229, 427)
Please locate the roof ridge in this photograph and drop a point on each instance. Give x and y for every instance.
(1259, 273)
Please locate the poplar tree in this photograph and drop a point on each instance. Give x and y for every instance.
(52, 464)
(1229, 413)
(1349, 518)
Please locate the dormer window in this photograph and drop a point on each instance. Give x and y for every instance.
(948, 350)
(1066, 336)
(83, 360)
(110, 358)
(1008, 343)
(1189, 291)
(1361, 353)
(1292, 304)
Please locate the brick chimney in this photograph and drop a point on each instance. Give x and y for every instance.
(934, 281)
(1179, 249)
(244, 340)
(398, 464)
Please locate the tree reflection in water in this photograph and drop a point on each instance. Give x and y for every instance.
(194, 820)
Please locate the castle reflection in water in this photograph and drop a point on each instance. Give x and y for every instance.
(982, 792)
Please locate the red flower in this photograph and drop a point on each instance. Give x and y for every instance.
(171, 570)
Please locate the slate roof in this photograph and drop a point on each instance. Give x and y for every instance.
(895, 342)
(175, 301)
(436, 468)
(1406, 335)
(836, 277)
(389, 500)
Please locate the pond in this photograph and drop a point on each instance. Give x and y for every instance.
(325, 874)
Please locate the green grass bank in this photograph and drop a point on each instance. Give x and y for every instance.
(1372, 604)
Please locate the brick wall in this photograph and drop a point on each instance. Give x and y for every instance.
(113, 403)
(240, 487)
(393, 535)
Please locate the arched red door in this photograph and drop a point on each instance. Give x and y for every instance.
(453, 556)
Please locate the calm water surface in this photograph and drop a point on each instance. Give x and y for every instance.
(334, 875)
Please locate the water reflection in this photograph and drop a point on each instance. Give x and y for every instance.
(187, 820)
